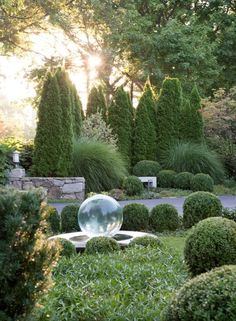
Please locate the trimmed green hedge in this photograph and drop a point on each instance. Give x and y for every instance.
(132, 185)
(202, 182)
(101, 244)
(164, 217)
(146, 168)
(135, 217)
(166, 178)
(183, 180)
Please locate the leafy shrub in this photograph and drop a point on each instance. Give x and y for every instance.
(210, 244)
(183, 180)
(69, 219)
(202, 182)
(198, 206)
(101, 244)
(193, 158)
(166, 178)
(100, 164)
(136, 277)
(5, 162)
(132, 185)
(147, 168)
(229, 213)
(209, 296)
(27, 257)
(135, 217)
(53, 219)
(145, 241)
(164, 217)
(67, 248)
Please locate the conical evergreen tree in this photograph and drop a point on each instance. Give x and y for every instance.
(196, 130)
(168, 118)
(47, 141)
(96, 102)
(148, 99)
(76, 112)
(67, 131)
(186, 117)
(144, 138)
(120, 120)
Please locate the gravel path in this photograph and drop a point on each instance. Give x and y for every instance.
(226, 200)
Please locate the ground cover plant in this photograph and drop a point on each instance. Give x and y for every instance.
(134, 284)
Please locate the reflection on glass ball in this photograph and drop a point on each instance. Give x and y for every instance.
(100, 215)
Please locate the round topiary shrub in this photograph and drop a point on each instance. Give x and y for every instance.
(202, 182)
(145, 241)
(146, 168)
(135, 217)
(166, 178)
(183, 180)
(101, 244)
(210, 244)
(53, 219)
(67, 248)
(133, 186)
(69, 219)
(207, 297)
(164, 217)
(198, 206)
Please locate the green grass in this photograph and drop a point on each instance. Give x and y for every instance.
(133, 284)
(174, 242)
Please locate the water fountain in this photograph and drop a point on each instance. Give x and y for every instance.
(100, 215)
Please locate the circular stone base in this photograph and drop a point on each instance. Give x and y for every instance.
(79, 239)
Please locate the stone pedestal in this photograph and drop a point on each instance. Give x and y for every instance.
(17, 172)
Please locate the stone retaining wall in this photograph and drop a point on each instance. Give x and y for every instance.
(57, 187)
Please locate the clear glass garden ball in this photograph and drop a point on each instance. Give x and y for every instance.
(100, 215)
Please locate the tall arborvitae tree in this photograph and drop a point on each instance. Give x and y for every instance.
(168, 118)
(148, 98)
(76, 112)
(120, 120)
(144, 138)
(48, 141)
(67, 131)
(196, 130)
(96, 102)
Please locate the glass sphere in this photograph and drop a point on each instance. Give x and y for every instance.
(100, 215)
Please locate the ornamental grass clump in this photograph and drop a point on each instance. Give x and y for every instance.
(207, 297)
(135, 217)
(211, 243)
(164, 217)
(200, 205)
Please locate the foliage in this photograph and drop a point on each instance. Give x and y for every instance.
(202, 182)
(122, 285)
(5, 162)
(121, 121)
(26, 256)
(135, 217)
(95, 128)
(48, 149)
(132, 185)
(169, 106)
(66, 133)
(96, 103)
(69, 219)
(164, 217)
(183, 180)
(146, 168)
(229, 213)
(148, 97)
(144, 136)
(102, 167)
(101, 244)
(67, 248)
(198, 206)
(210, 244)
(146, 241)
(53, 220)
(201, 298)
(193, 158)
(76, 110)
(166, 178)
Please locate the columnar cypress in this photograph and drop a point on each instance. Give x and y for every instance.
(76, 112)
(196, 131)
(96, 102)
(67, 131)
(47, 141)
(120, 120)
(168, 118)
(149, 100)
(144, 138)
